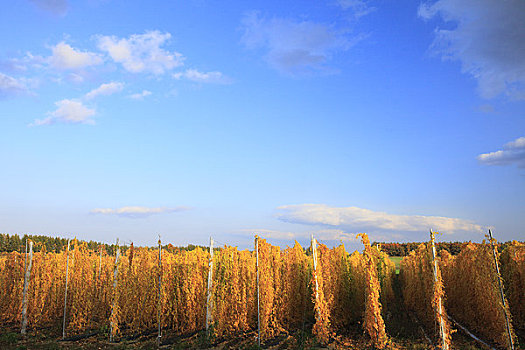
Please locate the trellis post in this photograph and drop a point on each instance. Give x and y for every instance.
(65, 294)
(502, 294)
(100, 263)
(115, 275)
(26, 286)
(160, 294)
(258, 297)
(442, 331)
(25, 261)
(314, 253)
(208, 295)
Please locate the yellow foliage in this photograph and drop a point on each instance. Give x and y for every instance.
(421, 294)
(473, 296)
(513, 273)
(287, 290)
(373, 321)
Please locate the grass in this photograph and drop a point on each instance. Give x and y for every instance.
(8, 338)
(397, 261)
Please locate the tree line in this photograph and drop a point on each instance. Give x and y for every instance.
(11, 243)
(15, 243)
(403, 249)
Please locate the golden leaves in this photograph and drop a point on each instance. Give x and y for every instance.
(473, 297)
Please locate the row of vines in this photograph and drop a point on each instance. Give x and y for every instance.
(328, 290)
(133, 292)
(467, 286)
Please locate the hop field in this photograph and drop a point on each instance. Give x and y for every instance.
(288, 298)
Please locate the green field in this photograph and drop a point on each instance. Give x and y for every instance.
(397, 261)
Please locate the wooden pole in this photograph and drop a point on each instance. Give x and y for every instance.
(65, 294)
(26, 286)
(99, 284)
(258, 298)
(115, 275)
(502, 294)
(25, 262)
(442, 331)
(160, 294)
(208, 296)
(100, 264)
(314, 253)
(464, 329)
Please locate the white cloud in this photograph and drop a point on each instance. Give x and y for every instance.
(76, 78)
(140, 95)
(11, 86)
(68, 111)
(13, 65)
(73, 111)
(334, 235)
(519, 143)
(105, 90)
(56, 7)
(142, 52)
(26, 62)
(512, 153)
(293, 46)
(66, 57)
(359, 8)
(137, 212)
(274, 234)
(323, 234)
(354, 219)
(203, 77)
(488, 39)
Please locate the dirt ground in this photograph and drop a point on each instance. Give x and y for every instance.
(402, 328)
(403, 337)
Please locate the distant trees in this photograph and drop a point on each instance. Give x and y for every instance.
(403, 249)
(12, 243)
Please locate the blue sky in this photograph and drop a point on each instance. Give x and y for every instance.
(197, 118)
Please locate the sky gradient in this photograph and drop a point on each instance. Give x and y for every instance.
(197, 118)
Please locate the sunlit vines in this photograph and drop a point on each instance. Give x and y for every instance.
(297, 304)
(513, 273)
(95, 302)
(11, 284)
(336, 309)
(421, 293)
(373, 320)
(352, 290)
(473, 297)
(234, 292)
(271, 297)
(386, 270)
(322, 328)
